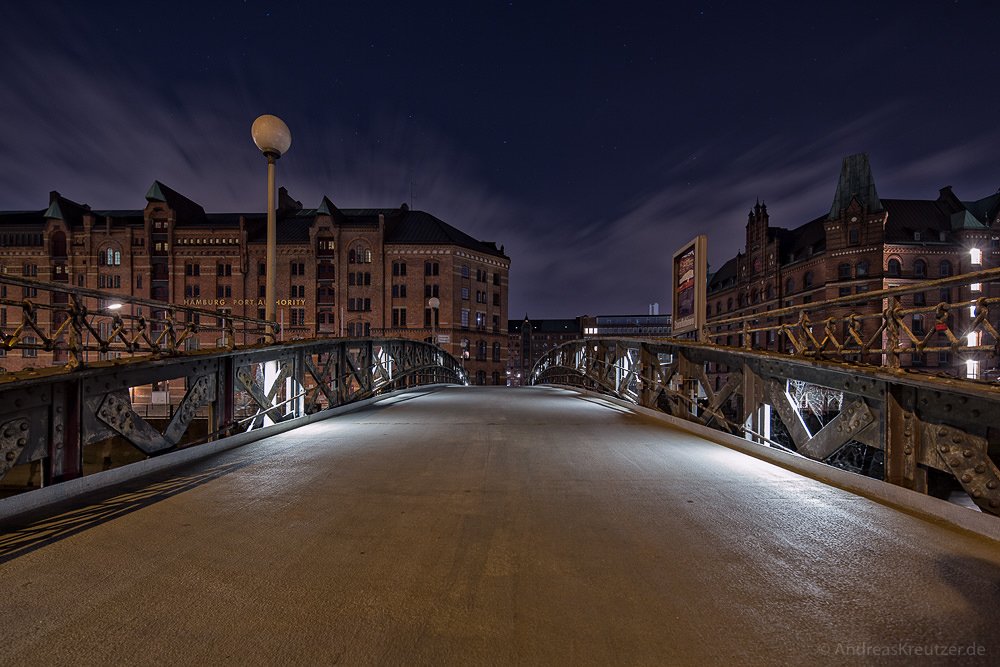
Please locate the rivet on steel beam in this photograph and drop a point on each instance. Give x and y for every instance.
(967, 477)
(11, 456)
(994, 502)
(942, 432)
(907, 450)
(956, 439)
(21, 442)
(992, 484)
(7, 433)
(977, 494)
(954, 463)
(981, 468)
(967, 453)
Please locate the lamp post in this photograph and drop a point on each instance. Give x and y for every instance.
(273, 139)
(434, 303)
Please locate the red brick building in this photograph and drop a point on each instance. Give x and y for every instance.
(341, 272)
(864, 243)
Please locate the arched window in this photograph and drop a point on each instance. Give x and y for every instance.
(807, 280)
(918, 325)
(496, 351)
(861, 269)
(110, 257)
(729, 304)
(718, 307)
(844, 271)
(767, 292)
(352, 257)
(894, 268)
(944, 269)
(118, 257)
(789, 285)
(481, 350)
(754, 297)
(919, 269)
(741, 300)
(480, 377)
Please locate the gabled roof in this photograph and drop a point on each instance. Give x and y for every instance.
(799, 241)
(721, 278)
(418, 227)
(906, 216)
(986, 209)
(66, 210)
(186, 211)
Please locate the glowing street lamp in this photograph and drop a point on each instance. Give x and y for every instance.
(273, 138)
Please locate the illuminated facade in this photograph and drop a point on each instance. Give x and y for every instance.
(341, 272)
(865, 243)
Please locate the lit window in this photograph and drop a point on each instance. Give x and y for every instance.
(973, 338)
(976, 287)
(972, 369)
(976, 255)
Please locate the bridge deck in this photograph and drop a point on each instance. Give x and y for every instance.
(475, 525)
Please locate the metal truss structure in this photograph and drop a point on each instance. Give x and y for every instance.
(49, 415)
(923, 428)
(67, 324)
(50, 418)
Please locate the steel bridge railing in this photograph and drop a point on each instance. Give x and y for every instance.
(830, 383)
(52, 409)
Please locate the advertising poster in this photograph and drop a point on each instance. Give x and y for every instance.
(689, 286)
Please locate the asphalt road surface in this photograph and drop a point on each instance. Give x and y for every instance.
(492, 526)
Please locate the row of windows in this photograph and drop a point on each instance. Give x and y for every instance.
(19, 239)
(360, 278)
(209, 240)
(109, 281)
(359, 304)
(109, 257)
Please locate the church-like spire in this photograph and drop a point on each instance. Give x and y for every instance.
(856, 181)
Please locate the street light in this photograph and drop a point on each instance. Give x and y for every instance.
(273, 139)
(434, 303)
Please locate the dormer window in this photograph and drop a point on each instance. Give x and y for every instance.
(916, 236)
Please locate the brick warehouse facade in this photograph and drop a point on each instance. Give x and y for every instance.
(341, 272)
(863, 244)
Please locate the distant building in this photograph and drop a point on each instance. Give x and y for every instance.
(529, 339)
(864, 243)
(625, 326)
(340, 272)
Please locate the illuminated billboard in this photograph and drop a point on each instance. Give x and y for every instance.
(690, 282)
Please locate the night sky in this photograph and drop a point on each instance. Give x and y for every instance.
(589, 139)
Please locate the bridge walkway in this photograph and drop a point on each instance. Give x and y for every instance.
(488, 525)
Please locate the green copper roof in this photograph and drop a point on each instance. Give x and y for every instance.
(54, 211)
(965, 220)
(855, 181)
(155, 192)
